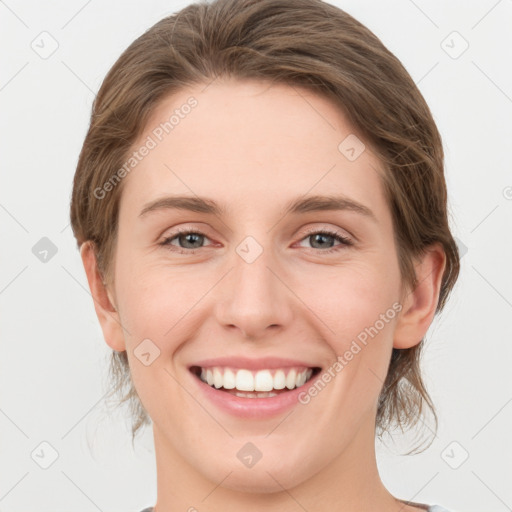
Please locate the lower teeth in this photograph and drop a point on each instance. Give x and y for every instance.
(255, 395)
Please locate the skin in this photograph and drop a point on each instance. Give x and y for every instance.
(253, 148)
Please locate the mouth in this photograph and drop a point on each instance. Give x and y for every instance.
(264, 383)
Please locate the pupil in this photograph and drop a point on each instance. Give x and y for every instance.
(192, 236)
(319, 235)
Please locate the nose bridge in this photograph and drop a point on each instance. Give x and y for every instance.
(253, 298)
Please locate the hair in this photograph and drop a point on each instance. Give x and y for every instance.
(305, 43)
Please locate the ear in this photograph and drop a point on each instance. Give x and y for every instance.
(420, 303)
(106, 312)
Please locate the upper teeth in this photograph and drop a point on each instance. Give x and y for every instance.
(263, 380)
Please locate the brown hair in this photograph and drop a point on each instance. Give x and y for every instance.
(305, 43)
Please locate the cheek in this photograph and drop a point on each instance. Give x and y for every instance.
(158, 309)
(160, 301)
(156, 300)
(352, 299)
(359, 306)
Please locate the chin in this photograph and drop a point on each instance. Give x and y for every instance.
(267, 476)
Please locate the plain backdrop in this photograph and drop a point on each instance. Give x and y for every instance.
(53, 359)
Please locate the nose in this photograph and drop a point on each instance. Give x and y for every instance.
(253, 298)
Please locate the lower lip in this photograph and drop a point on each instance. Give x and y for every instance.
(252, 408)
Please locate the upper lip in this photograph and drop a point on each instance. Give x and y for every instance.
(253, 364)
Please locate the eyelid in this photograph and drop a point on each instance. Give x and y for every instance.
(180, 229)
(311, 230)
(185, 231)
(334, 230)
(344, 242)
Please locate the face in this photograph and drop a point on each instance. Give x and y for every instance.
(270, 284)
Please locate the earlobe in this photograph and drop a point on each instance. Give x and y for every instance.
(106, 311)
(420, 303)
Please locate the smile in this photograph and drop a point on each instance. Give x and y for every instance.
(264, 383)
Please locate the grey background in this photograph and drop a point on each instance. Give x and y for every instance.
(53, 358)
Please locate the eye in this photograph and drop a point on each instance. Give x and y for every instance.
(323, 237)
(190, 239)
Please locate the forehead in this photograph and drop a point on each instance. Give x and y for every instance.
(244, 142)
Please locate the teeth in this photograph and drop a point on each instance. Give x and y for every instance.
(255, 395)
(229, 379)
(218, 380)
(279, 380)
(244, 381)
(291, 379)
(262, 381)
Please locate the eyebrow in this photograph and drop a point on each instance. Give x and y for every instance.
(301, 205)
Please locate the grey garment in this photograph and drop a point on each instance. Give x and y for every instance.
(432, 508)
(428, 508)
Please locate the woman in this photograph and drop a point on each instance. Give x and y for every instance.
(261, 212)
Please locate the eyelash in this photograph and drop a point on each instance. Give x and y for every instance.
(344, 241)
